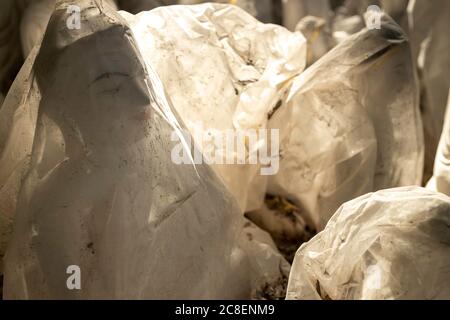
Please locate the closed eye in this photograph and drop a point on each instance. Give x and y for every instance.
(108, 75)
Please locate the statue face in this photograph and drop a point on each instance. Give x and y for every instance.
(116, 76)
(100, 86)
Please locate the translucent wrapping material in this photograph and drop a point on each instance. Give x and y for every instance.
(393, 244)
(441, 178)
(34, 22)
(87, 127)
(250, 6)
(350, 113)
(18, 117)
(136, 6)
(240, 86)
(430, 43)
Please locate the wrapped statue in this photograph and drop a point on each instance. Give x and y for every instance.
(33, 24)
(18, 117)
(392, 244)
(430, 44)
(441, 177)
(88, 179)
(350, 112)
(240, 87)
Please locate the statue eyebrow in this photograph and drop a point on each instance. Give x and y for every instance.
(109, 74)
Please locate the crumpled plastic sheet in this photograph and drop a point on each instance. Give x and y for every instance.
(33, 23)
(18, 117)
(99, 189)
(392, 244)
(350, 112)
(250, 6)
(441, 176)
(136, 6)
(430, 44)
(249, 69)
(267, 11)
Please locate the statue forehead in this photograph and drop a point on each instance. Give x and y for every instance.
(103, 33)
(94, 17)
(113, 42)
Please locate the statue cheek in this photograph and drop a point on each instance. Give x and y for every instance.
(144, 115)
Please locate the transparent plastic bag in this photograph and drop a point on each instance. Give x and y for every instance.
(441, 177)
(392, 244)
(239, 86)
(350, 113)
(18, 117)
(101, 191)
(34, 21)
(429, 22)
(87, 176)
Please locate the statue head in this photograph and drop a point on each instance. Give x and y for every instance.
(94, 75)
